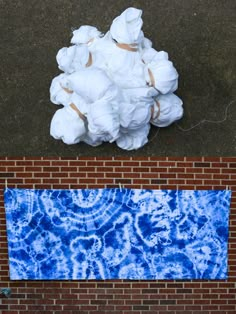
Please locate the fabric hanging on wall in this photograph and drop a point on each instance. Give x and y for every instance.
(117, 234)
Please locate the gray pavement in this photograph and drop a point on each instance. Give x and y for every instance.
(199, 35)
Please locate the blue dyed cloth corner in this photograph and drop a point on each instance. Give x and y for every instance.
(117, 234)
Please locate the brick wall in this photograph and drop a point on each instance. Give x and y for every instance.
(119, 296)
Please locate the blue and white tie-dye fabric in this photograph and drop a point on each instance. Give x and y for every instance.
(117, 234)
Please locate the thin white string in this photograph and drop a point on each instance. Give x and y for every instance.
(199, 123)
(209, 121)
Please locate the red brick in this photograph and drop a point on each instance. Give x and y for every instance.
(229, 182)
(170, 175)
(213, 170)
(59, 163)
(203, 176)
(33, 181)
(141, 169)
(86, 169)
(202, 164)
(33, 169)
(173, 158)
(14, 181)
(24, 174)
(193, 182)
(117, 175)
(24, 163)
(157, 158)
(77, 174)
(7, 174)
(204, 187)
(60, 174)
(90, 180)
(105, 181)
(176, 170)
(67, 181)
(41, 163)
(231, 171)
(141, 181)
(137, 158)
(212, 159)
(105, 169)
(40, 175)
(157, 170)
(170, 181)
(95, 163)
(130, 175)
(77, 163)
(168, 187)
(219, 165)
(167, 164)
(104, 158)
(68, 169)
(212, 182)
(193, 307)
(228, 159)
(7, 163)
(149, 164)
(184, 164)
(113, 163)
(15, 169)
(131, 164)
(220, 176)
(95, 175)
(178, 308)
(51, 169)
(194, 170)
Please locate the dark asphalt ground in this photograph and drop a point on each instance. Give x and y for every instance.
(199, 35)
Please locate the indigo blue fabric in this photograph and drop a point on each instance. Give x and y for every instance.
(117, 234)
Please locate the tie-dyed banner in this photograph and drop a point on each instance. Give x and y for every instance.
(117, 234)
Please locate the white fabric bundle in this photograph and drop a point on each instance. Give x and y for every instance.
(133, 139)
(171, 110)
(126, 27)
(67, 126)
(124, 68)
(102, 97)
(75, 58)
(103, 119)
(141, 94)
(135, 109)
(133, 116)
(58, 95)
(164, 74)
(151, 55)
(118, 84)
(72, 58)
(80, 103)
(90, 83)
(85, 35)
(92, 139)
